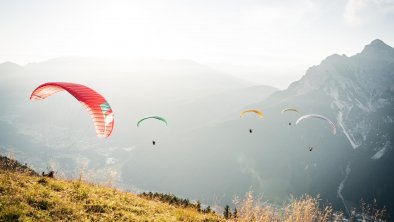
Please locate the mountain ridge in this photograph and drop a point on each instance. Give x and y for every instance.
(355, 92)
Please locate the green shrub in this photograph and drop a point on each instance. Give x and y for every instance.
(40, 204)
(94, 208)
(10, 214)
(56, 187)
(43, 181)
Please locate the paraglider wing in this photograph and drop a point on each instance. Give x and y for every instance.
(99, 109)
(334, 129)
(258, 113)
(152, 117)
(289, 109)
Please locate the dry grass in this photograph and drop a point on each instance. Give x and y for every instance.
(24, 196)
(32, 198)
(303, 209)
(370, 212)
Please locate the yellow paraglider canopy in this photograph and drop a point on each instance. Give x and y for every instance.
(258, 113)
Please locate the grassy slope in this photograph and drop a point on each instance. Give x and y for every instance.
(25, 196)
(33, 198)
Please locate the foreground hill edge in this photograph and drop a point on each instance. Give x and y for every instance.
(26, 196)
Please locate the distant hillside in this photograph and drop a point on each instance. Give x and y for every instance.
(11, 165)
(168, 77)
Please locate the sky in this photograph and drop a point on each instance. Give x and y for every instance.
(266, 42)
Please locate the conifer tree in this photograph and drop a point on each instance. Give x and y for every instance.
(235, 213)
(198, 206)
(208, 210)
(226, 212)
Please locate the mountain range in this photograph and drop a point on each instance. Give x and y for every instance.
(207, 152)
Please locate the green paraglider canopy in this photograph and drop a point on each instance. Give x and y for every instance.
(152, 117)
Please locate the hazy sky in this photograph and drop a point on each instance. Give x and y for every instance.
(269, 42)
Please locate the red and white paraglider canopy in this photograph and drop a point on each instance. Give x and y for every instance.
(95, 104)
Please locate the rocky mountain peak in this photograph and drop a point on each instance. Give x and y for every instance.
(377, 48)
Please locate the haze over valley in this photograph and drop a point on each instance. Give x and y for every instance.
(206, 151)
